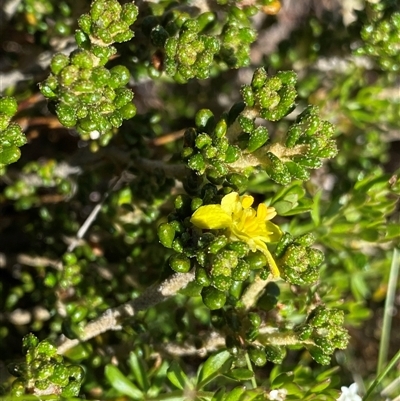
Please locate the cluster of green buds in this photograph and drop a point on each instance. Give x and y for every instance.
(38, 13)
(381, 36)
(83, 92)
(39, 176)
(11, 135)
(324, 329)
(44, 372)
(298, 262)
(237, 36)
(321, 333)
(194, 45)
(81, 300)
(243, 338)
(224, 257)
(191, 54)
(230, 149)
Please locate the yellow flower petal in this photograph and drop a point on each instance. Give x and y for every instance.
(229, 203)
(211, 217)
(271, 261)
(247, 201)
(274, 232)
(243, 222)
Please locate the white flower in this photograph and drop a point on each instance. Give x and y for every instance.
(278, 395)
(350, 394)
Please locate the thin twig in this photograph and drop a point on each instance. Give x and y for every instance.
(254, 291)
(92, 216)
(211, 343)
(112, 319)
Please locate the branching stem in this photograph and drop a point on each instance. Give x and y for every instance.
(113, 318)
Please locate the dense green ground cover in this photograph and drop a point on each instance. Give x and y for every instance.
(199, 200)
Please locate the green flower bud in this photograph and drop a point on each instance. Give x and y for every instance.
(69, 75)
(256, 260)
(236, 289)
(197, 163)
(204, 119)
(179, 263)
(79, 314)
(246, 124)
(66, 114)
(297, 171)
(220, 129)
(248, 96)
(304, 332)
(82, 39)
(258, 138)
(46, 348)
(232, 154)
(202, 277)
(119, 76)
(205, 20)
(275, 354)
(254, 319)
(123, 97)
(29, 341)
(71, 389)
(259, 78)
(128, 111)
(277, 170)
(58, 62)
(238, 182)
(60, 375)
(319, 355)
(203, 140)
(218, 244)
(166, 234)
(221, 282)
(293, 135)
(257, 356)
(213, 298)
(287, 77)
(82, 59)
(129, 13)
(159, 36)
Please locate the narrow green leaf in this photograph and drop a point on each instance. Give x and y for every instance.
(240, 374)
(177, 376)
(121, 383)
(282, 380)
(137, 367)
(213, 366)
(235, 394)
(320, 386)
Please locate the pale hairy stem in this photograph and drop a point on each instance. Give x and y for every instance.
(254, 291)
(235, 129)
(113, 318)
(211, 343)
(280, 339)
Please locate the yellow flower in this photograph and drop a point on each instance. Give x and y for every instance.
(242, 222)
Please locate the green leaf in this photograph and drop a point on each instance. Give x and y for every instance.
(219, 395)
(177, 376)
(121, 383)
(235, 394)
(137, 367)
(215, 365)
(9, 154)
(240, 374)
(320, 386)
(282, 380)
